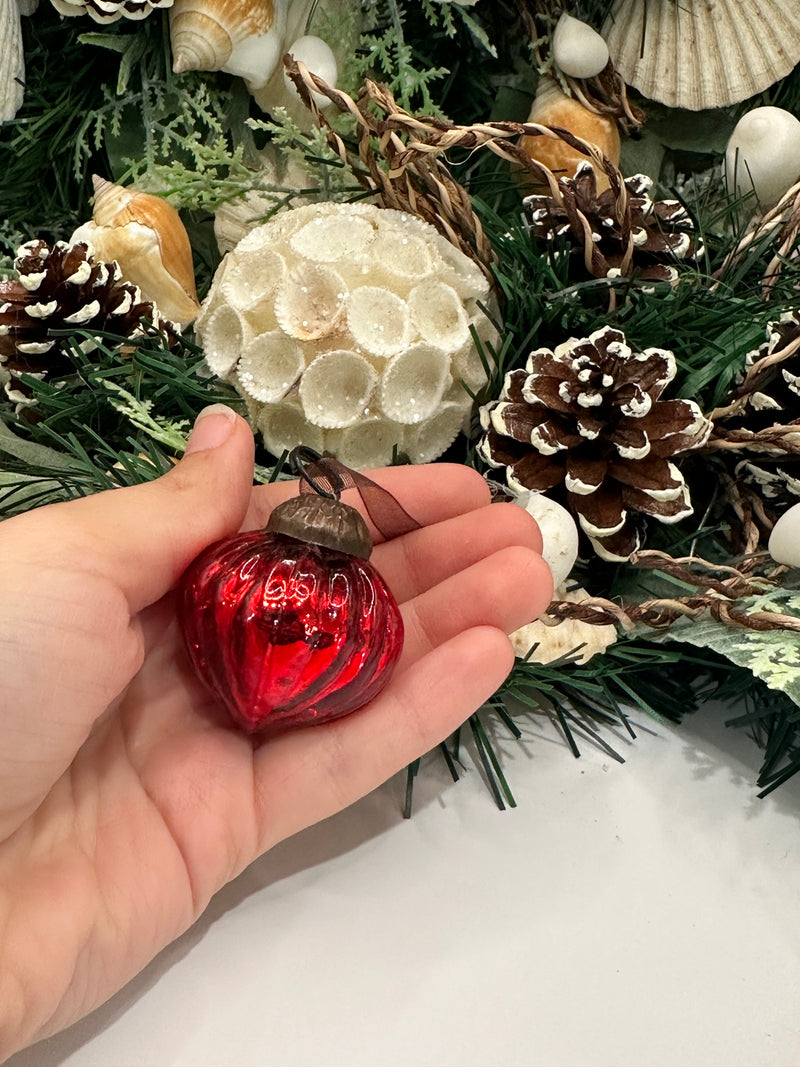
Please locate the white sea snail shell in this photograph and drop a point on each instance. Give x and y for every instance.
(145, 235)
(784, 541)
(559, 533)
(578, 50)
(763, 154)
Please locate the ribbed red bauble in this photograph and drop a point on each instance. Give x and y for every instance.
(291, 625)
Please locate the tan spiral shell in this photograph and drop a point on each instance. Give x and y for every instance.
(145, 235)
(703, 55)
(243, 37)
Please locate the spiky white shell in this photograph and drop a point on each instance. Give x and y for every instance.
(348, 327)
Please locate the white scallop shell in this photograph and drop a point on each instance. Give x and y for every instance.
(12, 60)
(336, 389)
(703, 55)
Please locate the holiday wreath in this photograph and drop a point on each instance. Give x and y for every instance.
(557, 241)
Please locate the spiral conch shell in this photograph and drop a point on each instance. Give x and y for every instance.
(145, 235)
(244, 37)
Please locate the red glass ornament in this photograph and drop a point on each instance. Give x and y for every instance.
(287, 632)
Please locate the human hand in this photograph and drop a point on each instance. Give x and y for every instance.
(126, 797)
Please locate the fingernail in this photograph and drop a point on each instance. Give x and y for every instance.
(212, 427)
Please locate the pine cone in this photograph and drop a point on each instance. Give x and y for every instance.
(107, 11)
(587, 420)
(59, 287)
(637, 236)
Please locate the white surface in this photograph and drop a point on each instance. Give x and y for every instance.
(636, 914)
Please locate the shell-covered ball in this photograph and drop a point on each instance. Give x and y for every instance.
(348, 328)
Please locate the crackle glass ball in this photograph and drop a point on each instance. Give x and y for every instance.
(349, 328)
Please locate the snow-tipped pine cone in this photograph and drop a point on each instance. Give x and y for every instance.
(585, 423)
(59, 287)
(636, 237)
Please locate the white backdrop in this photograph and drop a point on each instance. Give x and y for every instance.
(645, 913)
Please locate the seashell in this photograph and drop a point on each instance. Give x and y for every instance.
(378, 320)
(552, 642)
(703, 55)
(12, 60)
(145, 235)
(340, 352)
(317, 57)
(763, 154)
(578, 50)
(559, 533)
(551, 107)
(336, 389)
(269, 366)
(414, 382)
(244, 37)
(310, 301)
(784, 541)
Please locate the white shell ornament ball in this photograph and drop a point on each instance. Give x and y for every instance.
(147, 238)
(578, 50)
(320, 319)
(763, 155)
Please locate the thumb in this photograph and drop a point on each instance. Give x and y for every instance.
(144, 536)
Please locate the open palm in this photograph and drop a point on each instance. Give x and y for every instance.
(126, 797)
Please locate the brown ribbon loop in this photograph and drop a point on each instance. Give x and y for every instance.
(326, 476)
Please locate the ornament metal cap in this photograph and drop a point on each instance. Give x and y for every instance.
(322, 520)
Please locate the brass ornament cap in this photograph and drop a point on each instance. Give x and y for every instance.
(321, 520)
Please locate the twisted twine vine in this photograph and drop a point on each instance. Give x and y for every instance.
(400, 161)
